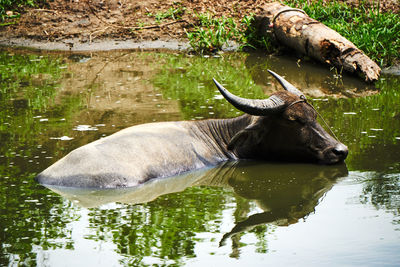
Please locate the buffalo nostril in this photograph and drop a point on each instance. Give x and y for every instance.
(340, 151)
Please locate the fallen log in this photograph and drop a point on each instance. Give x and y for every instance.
(295, 29)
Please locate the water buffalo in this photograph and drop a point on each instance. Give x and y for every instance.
(282, 127)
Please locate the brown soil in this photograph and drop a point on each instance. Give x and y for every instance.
(88, 20)
(85, 21)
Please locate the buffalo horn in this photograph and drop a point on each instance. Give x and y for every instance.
(256, 107)
(286, 85)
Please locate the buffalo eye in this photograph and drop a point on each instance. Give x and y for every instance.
(292, 117)
(296, 119)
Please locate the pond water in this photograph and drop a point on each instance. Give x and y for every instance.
(243, 213)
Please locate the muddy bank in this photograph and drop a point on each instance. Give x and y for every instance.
(75, 45)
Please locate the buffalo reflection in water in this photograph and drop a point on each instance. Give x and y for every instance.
(285, 192)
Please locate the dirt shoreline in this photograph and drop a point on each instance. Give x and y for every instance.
(75, 45)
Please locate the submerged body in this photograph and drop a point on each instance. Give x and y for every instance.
(139, 153)
(283, 127)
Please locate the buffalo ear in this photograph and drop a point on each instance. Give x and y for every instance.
(246, 139)
(238, 139)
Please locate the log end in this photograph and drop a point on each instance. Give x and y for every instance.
(355, 61)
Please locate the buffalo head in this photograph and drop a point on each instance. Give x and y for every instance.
(283, 127)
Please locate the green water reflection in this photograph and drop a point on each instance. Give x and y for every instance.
(28, 213)
(53, 103)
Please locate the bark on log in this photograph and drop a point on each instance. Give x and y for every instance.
(295, 29)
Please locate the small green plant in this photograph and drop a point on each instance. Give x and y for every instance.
(141, 24)
(175, 12)
(212, 33)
